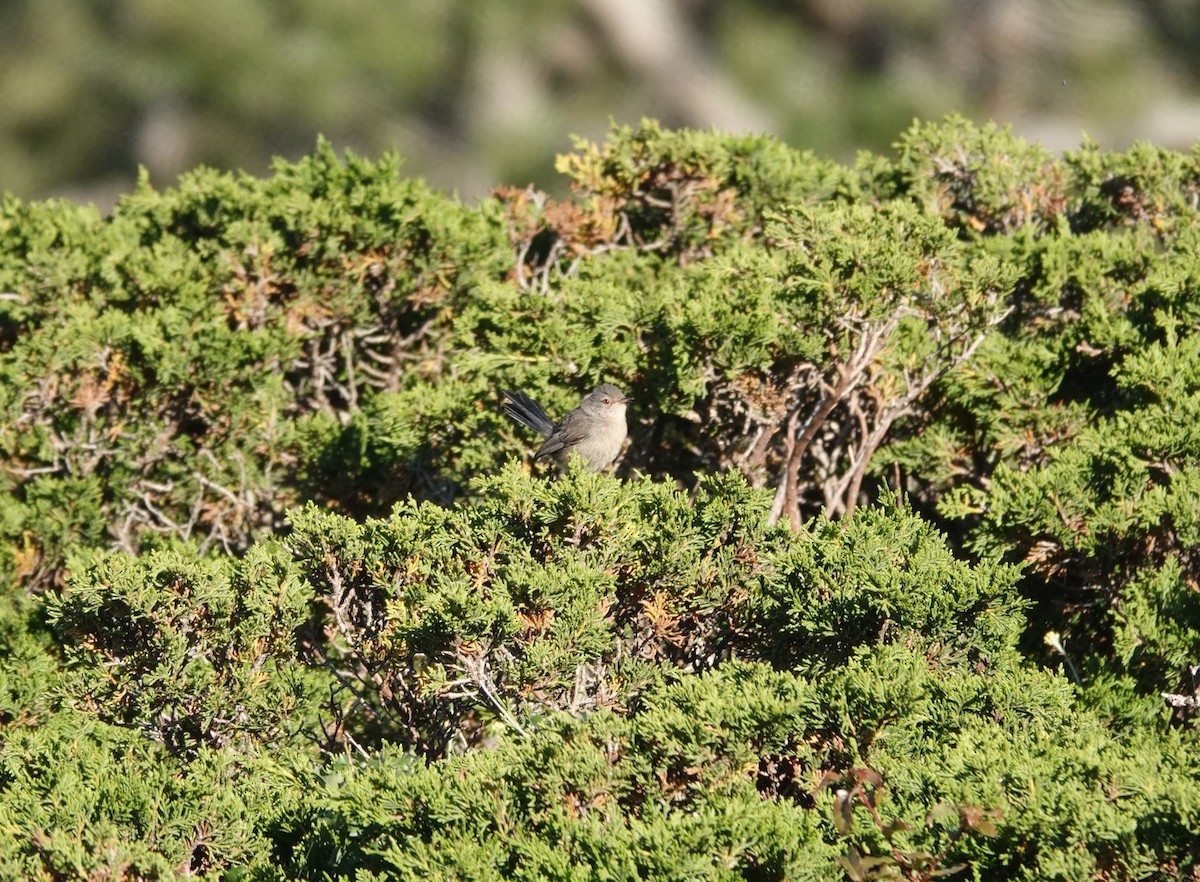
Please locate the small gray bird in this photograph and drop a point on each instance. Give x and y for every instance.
(595, 430)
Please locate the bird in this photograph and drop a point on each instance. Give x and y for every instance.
(595, 430)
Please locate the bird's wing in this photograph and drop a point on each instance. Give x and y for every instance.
(565, 436)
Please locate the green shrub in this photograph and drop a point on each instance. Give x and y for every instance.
(963, 376)
(192, 654)
(161, 367)
(83, 800)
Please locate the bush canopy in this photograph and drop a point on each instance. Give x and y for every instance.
(897, 576)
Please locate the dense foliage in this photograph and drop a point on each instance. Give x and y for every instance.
(897, 574)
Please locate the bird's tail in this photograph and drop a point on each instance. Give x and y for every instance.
(528, 412)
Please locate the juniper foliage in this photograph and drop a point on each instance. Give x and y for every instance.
(896, 578)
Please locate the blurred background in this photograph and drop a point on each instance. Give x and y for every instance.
(476, 93)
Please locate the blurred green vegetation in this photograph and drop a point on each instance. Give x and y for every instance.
(474, 95)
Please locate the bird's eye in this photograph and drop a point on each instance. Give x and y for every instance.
(607, 400)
